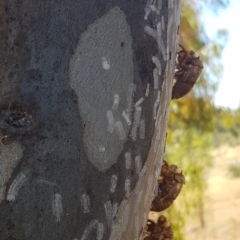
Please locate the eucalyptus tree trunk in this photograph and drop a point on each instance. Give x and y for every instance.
(85, 89)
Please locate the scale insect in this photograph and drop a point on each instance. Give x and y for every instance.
(170, 184)
(189, 67)
(160, 230)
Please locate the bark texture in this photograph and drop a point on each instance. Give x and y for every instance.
(85, 90)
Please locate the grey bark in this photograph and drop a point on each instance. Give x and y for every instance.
(85, 89)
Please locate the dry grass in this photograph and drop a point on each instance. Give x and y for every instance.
(222, 206)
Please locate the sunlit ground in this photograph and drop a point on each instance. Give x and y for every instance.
(222, 206)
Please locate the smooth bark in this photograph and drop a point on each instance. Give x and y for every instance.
(85, 90)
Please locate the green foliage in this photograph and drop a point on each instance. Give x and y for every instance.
(190, 150)
(226, 127)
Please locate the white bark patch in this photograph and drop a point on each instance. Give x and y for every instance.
(105, 63)
(85, 203)
(120, 130)
(155, 107)
(139, 102)
(136, 122)
(127, 187)
(169, 26)
(128, 160)
(10, 155)
(57, 207)
(15, 186)
(159, 4)
(152, 7)
(127, 118)
(91, 226)
(111, 123)
(110, 212)
(115, 101)
(147, 90)
(131, 90)
(156, 61)
(113, 183)
(163, 23)
(151, 32)
(114, 209)
(138, 164)
(102, 148)
(100, 231)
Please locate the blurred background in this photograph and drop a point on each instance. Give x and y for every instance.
(204, 127)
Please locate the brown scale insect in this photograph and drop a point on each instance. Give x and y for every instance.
(161, 230)
(170, 184)
(189, 67)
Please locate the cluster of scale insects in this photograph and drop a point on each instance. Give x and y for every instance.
(171, 179)
(170, 183)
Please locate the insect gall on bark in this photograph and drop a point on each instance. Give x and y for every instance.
(15, 120)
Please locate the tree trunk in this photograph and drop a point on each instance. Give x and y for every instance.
(85, 89)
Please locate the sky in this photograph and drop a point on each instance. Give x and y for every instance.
(228, 93)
